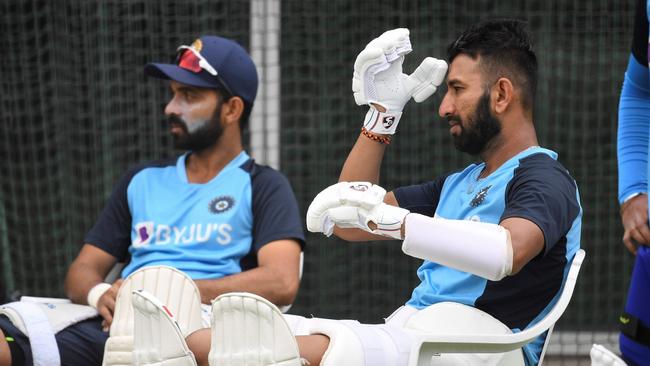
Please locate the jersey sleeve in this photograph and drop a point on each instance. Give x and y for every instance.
(421, 198)
(112, 231)
(275, 209)
(634, 114)
(542, 191)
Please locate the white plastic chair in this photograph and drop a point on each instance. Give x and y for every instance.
(425, 346)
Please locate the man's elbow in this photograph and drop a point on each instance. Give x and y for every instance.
(287, 290)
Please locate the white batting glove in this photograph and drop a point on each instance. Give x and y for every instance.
(378, 80)
(355, 205)
(317, 219)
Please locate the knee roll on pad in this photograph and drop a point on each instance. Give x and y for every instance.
(356, 344)
(345, 348)
(169, 285)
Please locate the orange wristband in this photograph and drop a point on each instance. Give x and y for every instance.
(373, 137)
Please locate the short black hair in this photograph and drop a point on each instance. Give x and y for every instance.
(505, 50)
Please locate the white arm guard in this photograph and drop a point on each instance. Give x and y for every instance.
(479, 248)
(378, 79)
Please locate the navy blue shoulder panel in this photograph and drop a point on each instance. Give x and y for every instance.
(421, 198)
(275, 210)
(543, 192)
(112, 231)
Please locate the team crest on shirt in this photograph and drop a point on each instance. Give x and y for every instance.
(480, 197)
(221, 204)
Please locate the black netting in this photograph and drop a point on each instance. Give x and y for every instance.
(76, 111)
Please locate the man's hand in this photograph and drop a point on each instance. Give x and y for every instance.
(336, 195)
(357, 205)
(378, 80)
(634, 214)
(106, 304)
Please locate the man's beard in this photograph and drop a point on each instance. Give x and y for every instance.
(202, 137)
(481, 128)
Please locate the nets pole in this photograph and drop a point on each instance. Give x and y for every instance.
(265, 51)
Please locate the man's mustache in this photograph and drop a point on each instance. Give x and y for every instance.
(455, 119)
(176, 120)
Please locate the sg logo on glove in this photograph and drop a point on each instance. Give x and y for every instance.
(360, 187)
(388, 121)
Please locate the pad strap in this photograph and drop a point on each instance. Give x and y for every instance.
(45, 351)
(634, 329)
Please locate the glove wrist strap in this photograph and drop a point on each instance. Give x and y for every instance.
(384, 123)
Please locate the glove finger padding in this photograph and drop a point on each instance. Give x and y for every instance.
(424, 81)
(347, 217)
(377, 56)
(350, 194)
(317, 220)
(368, 63)
(394, 43)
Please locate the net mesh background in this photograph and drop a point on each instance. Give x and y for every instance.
(76, 111)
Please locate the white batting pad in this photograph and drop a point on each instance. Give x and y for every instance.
(172, 287)
(157, 337)
(601, 356)
(248, 330)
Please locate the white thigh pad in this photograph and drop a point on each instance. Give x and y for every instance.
(356, 344)
(479, 248)
(172, 287)
(40, 318)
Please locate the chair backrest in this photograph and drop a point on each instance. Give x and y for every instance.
(567, 293)
(430, 344)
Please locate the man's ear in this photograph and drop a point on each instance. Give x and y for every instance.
(503, 95)
(232, 110)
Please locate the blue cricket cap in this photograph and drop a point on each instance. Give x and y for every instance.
(211, 62)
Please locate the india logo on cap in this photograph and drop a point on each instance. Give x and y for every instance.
(197, 45)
